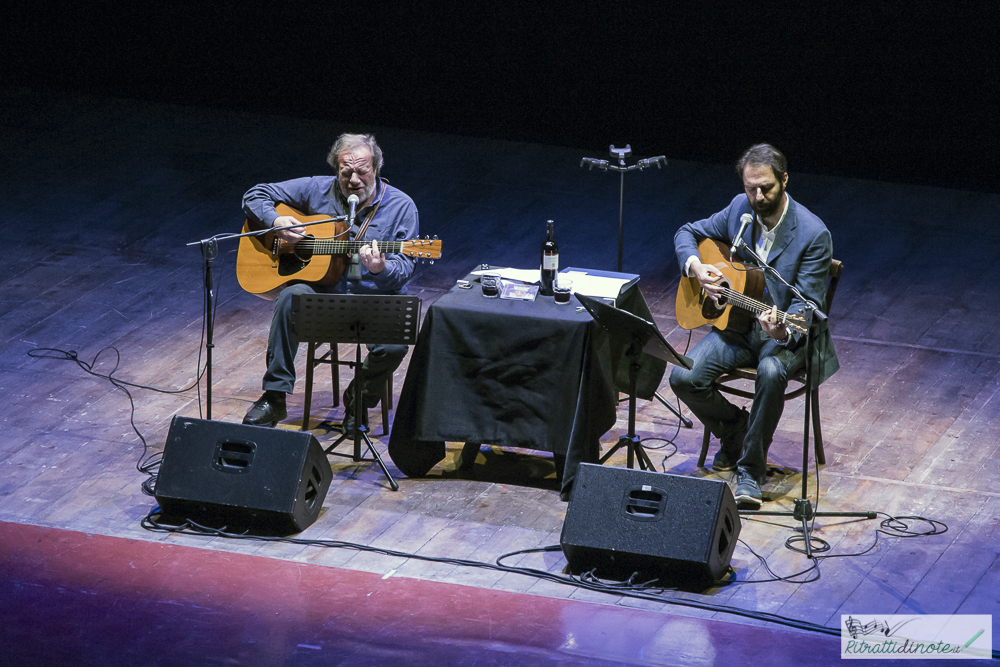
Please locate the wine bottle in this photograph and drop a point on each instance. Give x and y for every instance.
(550, 260)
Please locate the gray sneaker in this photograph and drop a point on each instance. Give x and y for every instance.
(748, 495)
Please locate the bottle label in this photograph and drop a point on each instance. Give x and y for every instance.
(550, 262)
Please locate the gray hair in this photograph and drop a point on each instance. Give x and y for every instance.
(763, 154)
(348, 142)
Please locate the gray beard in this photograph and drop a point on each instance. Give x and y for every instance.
(342, 199)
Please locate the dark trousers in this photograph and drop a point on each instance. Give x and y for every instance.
(722, 351)
(283, 345)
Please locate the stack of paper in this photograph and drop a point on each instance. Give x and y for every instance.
(600, 284)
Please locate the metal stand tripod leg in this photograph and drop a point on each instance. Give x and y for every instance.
(360, 429)
(362, 432)
(635, 451)
(631, 442)
(684, 420)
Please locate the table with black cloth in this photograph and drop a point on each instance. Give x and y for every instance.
(512, 373)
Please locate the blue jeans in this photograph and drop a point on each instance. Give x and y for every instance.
(283, 345)
(722, 351)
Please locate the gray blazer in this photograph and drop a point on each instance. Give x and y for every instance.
(801, 253)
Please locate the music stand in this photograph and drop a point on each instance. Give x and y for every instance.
(643, 336)
(357, 319)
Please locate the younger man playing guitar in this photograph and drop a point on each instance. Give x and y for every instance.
(797, 244)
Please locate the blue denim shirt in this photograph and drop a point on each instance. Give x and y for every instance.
(395, 220)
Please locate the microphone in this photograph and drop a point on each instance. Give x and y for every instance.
(353, 201)
(590, 163)
(745, 219)
(646, 163)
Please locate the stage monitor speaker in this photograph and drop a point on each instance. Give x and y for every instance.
(622, 521)
(252, 477)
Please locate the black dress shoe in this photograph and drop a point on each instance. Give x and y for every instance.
(348, 424)
(371, 399)
(268, 410)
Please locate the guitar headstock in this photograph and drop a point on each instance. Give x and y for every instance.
(425, 248)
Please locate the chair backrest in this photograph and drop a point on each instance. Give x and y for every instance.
(836, 267)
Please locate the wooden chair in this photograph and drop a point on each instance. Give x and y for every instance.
(332, 357)
(836, 267)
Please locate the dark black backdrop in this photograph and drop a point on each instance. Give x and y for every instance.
(888, 90)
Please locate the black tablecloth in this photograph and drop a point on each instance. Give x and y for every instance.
(528, 374)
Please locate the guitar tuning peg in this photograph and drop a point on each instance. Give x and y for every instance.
(432, 261)
(435, 237)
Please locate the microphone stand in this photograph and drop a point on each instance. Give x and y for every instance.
(605, 165)
(209, 251)
(803, 509)
(622, 169)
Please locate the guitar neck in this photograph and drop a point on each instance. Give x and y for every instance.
(331, 247)
(744, 302)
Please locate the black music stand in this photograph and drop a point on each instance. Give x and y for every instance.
(643, 336)
(357, 319)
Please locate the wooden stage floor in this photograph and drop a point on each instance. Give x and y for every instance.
(104, 194)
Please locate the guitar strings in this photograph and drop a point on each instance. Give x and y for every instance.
(754, 306)
(347, 247)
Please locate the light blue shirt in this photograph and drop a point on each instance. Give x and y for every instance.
(395, 220)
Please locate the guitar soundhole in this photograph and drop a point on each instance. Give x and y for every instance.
(709, 310)
(304, 249)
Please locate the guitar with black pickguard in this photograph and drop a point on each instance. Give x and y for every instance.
(267, 263)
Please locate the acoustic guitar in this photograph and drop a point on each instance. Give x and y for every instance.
(740, 302)
(266, 264)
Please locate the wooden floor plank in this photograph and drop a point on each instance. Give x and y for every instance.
(818, 602)
(910, 422)
(973, 553)
(896, 569)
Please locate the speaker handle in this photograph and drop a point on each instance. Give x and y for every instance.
(234, 456)
(642, 502)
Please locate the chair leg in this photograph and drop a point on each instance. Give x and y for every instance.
(307, 400)
(704, 448)
(386, 404)
(335, 372)
(817, 429)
